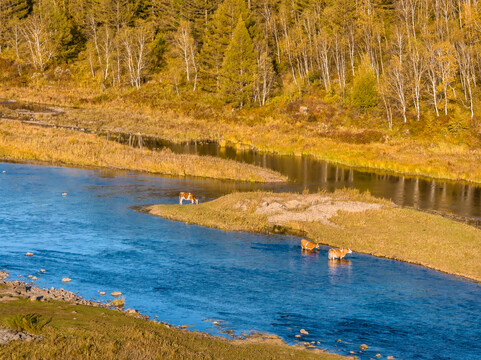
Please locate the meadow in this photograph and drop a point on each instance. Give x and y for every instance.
(23, 142)
(442, 149)
(86, 332)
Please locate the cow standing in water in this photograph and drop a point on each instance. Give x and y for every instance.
(187, 196)
(308, 245)
(338, 253)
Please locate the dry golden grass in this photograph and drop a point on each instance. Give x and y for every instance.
(403, 234)
(84, 332)
(277, 133)
(22, 142)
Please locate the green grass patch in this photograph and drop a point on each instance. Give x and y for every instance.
(84, 332)
(31, 323)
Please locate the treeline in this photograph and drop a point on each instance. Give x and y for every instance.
(408, 57)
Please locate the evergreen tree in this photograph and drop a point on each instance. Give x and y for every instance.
(217, 37)
(10, 12)
(20, 9)
(67, 37)
(158, 49)
(198, 13)
(238, 68)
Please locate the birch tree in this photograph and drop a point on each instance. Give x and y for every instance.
(40, 42)
(186, 50)
(136, 53)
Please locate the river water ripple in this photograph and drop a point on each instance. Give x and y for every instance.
(186, 273)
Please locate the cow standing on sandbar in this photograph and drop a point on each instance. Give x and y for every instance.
(187, 196)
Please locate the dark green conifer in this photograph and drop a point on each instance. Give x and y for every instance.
(217, 36)
(238, 68)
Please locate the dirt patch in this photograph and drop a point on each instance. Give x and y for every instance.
(7, 298)
(7, 335)
(259, 338)
(307, 208)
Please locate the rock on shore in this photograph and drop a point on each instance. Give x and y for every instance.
(7, 335)
(4, 275)
(19, 289)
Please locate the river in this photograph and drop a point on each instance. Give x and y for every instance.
(185, 274)
(305, 172)
(461, 199)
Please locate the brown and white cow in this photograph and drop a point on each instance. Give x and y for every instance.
(338, 253)
(187, 196)
(308, 245)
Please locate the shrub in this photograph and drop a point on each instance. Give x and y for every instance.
(118, 303)
(31, 323)
(364, 93)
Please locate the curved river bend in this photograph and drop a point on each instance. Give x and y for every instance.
(306, 172)
(185, 273)
(459, 198)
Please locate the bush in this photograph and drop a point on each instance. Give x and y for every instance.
(31, 323)
(364, 93)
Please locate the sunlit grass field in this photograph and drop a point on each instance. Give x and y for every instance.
(85, 332)
(267, 129)
(23, 142)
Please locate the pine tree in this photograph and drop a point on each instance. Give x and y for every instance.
(238, 68)
(11, 11)
(158, 49)
(217, 36)
(198, 13)
(20, 9)
(67, 37)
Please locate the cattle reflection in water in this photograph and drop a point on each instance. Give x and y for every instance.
(339, 269)
(306, 253)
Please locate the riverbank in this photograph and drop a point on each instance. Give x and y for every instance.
(78, 329)
(23, 142)
(344, 219)
(273, 129)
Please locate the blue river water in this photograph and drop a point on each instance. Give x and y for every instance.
(185, 274)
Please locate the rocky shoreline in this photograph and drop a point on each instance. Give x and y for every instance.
(16, 289)
(12, 290)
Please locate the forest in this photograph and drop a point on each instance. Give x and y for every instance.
(409, 60)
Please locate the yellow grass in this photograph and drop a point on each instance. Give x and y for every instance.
(403, 234)
(432, 157)
(84, 332)
(22, 142)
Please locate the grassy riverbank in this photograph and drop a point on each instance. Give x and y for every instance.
(21, 142)
(344, 219)
(336, 134)
(86, 332)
